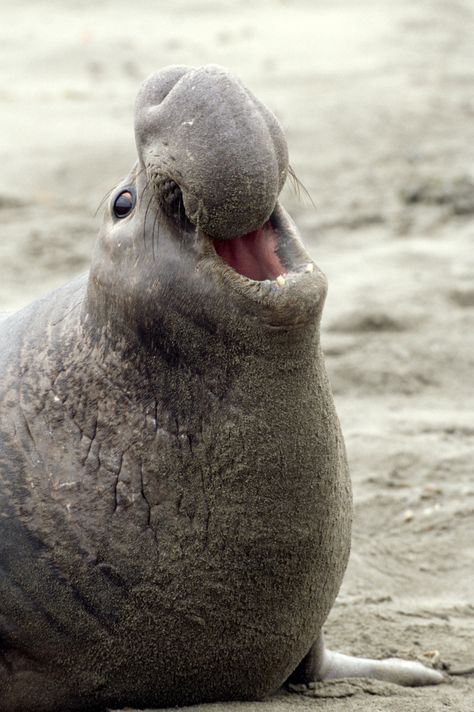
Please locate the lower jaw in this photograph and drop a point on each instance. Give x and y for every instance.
(289, 302)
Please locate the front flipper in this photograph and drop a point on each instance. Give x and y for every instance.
(322, 664)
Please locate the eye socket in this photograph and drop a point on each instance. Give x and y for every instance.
(124, 203)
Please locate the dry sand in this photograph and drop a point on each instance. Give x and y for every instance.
(377, 100)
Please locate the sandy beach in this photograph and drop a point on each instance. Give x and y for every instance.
(377, 101)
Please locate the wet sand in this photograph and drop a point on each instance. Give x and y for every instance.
(378, 104)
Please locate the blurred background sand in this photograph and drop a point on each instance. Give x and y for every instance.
(377, 100)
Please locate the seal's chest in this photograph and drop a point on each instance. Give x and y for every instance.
(234, 495)
(240, 535)
(235, 603)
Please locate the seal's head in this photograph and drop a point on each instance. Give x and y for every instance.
(196, 230)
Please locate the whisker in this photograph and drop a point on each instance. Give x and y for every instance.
(294, 183)
(180, 213)
(298, 186)
(107, 195)
(198, 220)
(155, 222)
(137, 174)
(146, 212)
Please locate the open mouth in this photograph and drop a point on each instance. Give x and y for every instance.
(271, 253)
(254, 255)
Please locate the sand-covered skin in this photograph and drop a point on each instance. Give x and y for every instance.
(377, 99)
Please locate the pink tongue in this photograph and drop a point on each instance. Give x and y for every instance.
(253, 255)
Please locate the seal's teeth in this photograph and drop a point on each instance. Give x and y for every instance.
(309, 267)
(280, 280)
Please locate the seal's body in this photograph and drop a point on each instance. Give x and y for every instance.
(175, 501)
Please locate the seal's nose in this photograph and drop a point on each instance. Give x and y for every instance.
(225, 150)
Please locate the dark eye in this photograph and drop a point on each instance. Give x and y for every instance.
(124, 203)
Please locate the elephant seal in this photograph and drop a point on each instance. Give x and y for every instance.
(175, 502)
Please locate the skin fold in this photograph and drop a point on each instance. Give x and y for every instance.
(175, 502)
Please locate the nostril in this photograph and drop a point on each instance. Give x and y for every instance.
(169, 193)
(170, 200)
